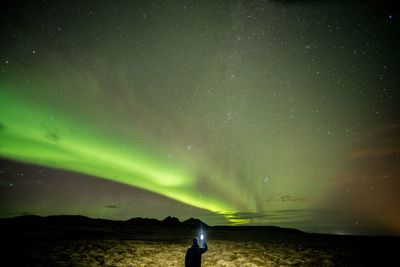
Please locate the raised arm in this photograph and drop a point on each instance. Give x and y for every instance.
(204, 249)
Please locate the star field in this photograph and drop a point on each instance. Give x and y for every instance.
(237, 112)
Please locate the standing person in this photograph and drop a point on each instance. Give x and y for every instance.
(193, 254)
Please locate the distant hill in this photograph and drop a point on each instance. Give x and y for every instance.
(78, 220)
(81, 227)
(265, 229)
(195, 223)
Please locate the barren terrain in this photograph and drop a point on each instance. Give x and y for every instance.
(87, 242)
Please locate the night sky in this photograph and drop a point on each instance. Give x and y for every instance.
(267, 112)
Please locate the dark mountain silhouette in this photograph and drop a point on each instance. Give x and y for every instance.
(143, 221)
(78, 220)
(81, 227)
(171, 221)
(265, 229)
(195, 223)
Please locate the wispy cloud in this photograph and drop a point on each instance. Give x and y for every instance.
(376, 156)
(373, 152)
(348, 176)
(111, 206)
(286, 198)
(381, 141)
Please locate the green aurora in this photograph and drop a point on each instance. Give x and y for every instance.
(241, 109)
(27, 138)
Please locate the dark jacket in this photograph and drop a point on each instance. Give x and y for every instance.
(193, 255)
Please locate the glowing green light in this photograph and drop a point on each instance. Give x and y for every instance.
(33, 134)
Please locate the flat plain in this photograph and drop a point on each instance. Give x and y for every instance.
(80, 241)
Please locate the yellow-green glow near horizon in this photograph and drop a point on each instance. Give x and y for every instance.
(26, 138)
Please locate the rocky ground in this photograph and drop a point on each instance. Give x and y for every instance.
(80, 241)
(151, 253)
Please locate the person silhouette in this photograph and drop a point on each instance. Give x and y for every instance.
(193, 254)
